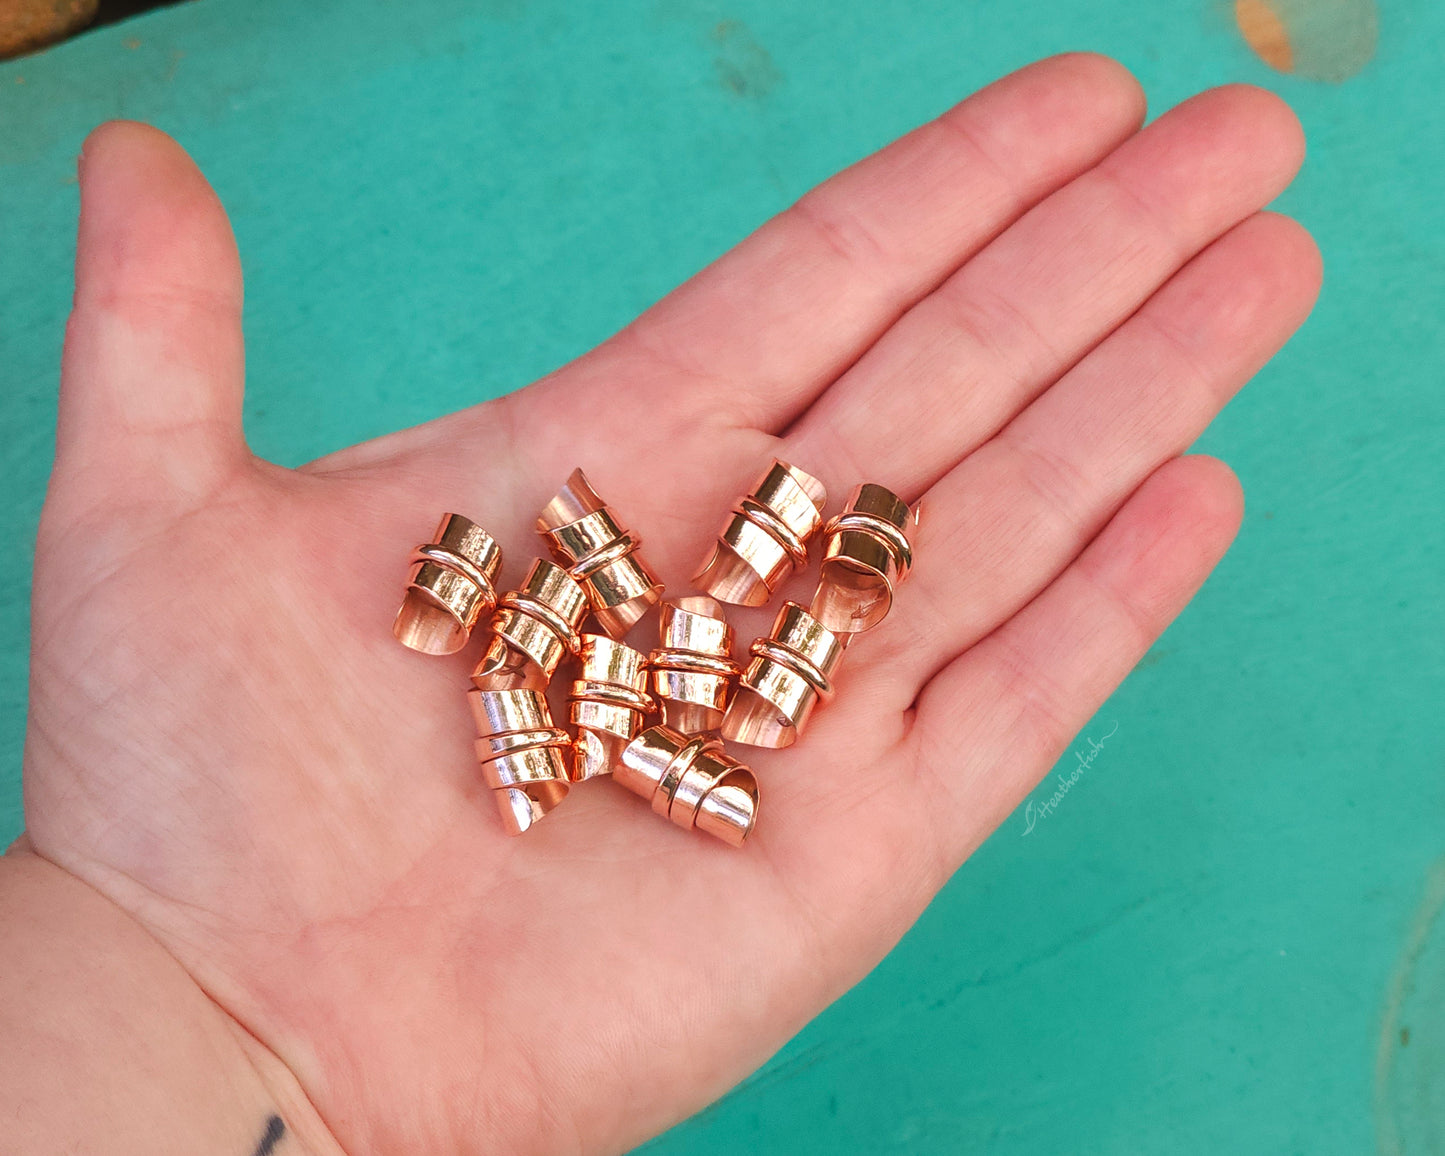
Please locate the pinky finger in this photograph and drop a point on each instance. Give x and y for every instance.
(1021, 694)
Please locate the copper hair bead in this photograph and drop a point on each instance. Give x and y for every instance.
(868, 553)
(584, 536)
(692, 782)
(766, 537)
(692, 668)
(450, 586)
(789, 673)
(523, 756)
(534, 628)
(607, 703)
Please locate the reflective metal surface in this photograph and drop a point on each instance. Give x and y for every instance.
(868, 551)
(791, 670)
(692, 782)
(450, 586)
(523, 756)
(583, 534)
(607, 703)
(534, 628)
(692, 668)
(765, 538)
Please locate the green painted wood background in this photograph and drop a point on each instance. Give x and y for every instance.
(1226, 934)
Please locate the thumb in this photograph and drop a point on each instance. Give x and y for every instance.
(153, 370)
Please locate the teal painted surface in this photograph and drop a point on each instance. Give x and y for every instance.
(1218, 938)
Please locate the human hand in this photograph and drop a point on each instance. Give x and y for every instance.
(1022, 313)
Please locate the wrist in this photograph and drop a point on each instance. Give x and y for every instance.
(110, 1045)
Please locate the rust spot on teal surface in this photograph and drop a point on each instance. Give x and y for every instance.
(1410, 1084)
(1328, 40)
(744, 67)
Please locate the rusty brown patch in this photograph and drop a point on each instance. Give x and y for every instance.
(1328, 40)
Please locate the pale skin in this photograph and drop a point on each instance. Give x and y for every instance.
(262, 880)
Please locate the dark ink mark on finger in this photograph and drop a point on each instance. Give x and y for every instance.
(275, 1130)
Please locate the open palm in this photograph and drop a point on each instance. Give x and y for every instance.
(1022, 313)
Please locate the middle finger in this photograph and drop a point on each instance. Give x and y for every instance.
(963, 361)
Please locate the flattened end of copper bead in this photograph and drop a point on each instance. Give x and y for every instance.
(534, 628)
(523, 756)
(790, 672)
(765, 537)
(504, 668)
(619, 619)
(868, 553)
(521, 808)
(594, 754)
(692, 782)
(754, 721)
(692, 667)
(728, 577)
(449, 588)
(600, 554)
(436, 615)
(607, 703)
(730, 810)
(573, 502)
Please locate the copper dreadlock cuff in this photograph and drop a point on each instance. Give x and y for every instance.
(534, 628)
(765, 539)
(583, 535)
(790, 672)
(522, 755)
(692, 669)
(607, 704)
(868, 553)
(692, 782)
(449, 588)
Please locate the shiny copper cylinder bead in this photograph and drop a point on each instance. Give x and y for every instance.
(867, 553)
(765, 539)
(534, 628)
(691, 781)
(584, 535)
(790, 672)
(607, 703)
(451, 585)
(692, 668)
(524, 758)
